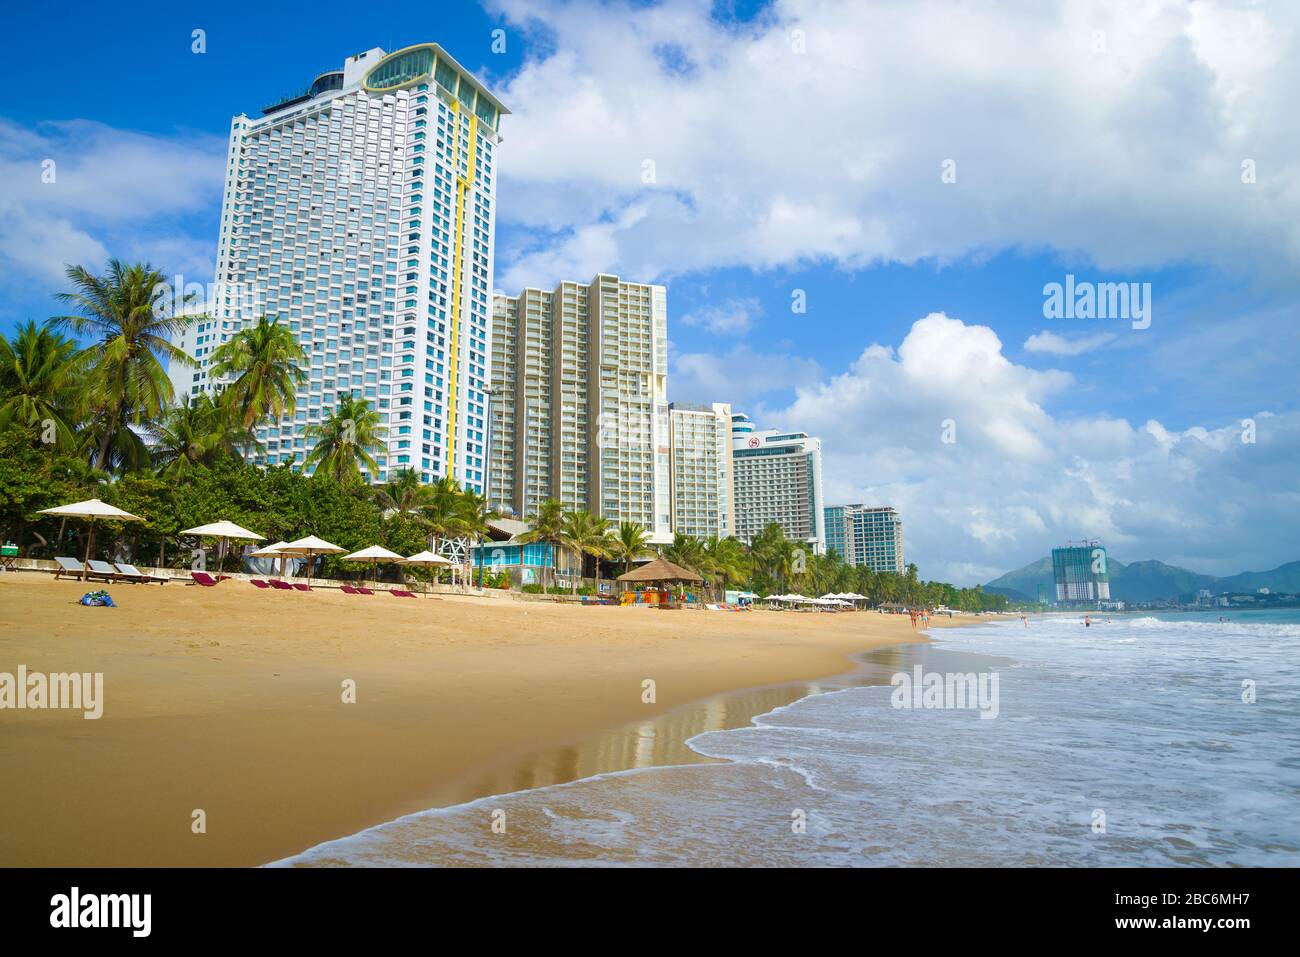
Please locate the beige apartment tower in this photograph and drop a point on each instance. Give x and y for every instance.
(579, 409)
(702, 470)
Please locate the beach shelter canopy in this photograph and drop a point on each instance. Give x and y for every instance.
(310, 546)
(273, 551)
(427, 558)
(91, 509)
(269, 551)
(375, 553)
(223, 529)
(660, 570)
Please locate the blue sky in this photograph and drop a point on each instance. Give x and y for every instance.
(748, 154)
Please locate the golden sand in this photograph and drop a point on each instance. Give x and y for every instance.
(229, 700)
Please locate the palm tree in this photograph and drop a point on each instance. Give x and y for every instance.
(127, 384)
(403, 493)
(346, 440)
(628, 543)
(81, 480)
(726, 562)
(38, 377)
(198, 432)
(265, 360)
(546, 526)
(476, 512)
(687, 551)
(585, 534)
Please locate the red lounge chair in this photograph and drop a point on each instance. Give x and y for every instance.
(301, 586)
(364, 591)
(203, 578)
(259, 583)
(282, 586)
(399, 593)
(348, 590)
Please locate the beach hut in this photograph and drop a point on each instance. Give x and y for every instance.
(91, 509)
(661, 572)
(311, 546)
(224, 531)
(374, 555)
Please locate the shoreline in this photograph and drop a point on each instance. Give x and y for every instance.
(227, 700)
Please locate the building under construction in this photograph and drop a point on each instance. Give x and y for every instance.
(1079, 569)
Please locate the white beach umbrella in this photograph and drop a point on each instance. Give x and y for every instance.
(427, 557)
(225, 531)
(273, 551)
(311, 546)
(91, 509)
(374, 555)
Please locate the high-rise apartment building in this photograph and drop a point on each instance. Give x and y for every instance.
(867, 536)
(361, 213)
(579, 406)
(778, 478)
(1080, 574)
(702, 493)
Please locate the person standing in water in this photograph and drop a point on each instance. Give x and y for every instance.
(1087, 621)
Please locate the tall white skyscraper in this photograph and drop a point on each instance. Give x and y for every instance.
(361, 212)
(579, 405)
(778, 478)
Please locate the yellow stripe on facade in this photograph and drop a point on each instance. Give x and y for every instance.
(463, 185)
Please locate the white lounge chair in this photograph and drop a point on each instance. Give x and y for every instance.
(130, 573)
(68, 566)
(103, 570)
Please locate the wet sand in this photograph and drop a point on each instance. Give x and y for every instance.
(229, 700)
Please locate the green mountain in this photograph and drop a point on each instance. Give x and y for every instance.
(1148, 581)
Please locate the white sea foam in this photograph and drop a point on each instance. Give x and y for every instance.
(1139, 719)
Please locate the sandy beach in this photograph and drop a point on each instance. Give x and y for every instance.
(230, 700)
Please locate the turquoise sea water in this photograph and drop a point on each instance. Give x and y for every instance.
(1146, 739)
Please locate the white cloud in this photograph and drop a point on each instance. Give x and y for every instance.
(111, 192)
(731, 318)
(740, 376)
(1019, 479)
(766, 156)
(1053, 344)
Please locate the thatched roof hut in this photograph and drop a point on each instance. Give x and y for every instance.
(660, 570)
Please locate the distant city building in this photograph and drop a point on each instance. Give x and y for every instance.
(1080, 573)
(361, 213)
(579, 407)
(702, 469)
(778, 478)
(869, 536)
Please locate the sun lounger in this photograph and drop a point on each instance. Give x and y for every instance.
(399, 593)
(68, 566)
(129, 573)
(102, 570)
(301, 586)
(259, 583)
(204, 579)
(364, 591)
(276, 583)
(348, 590)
